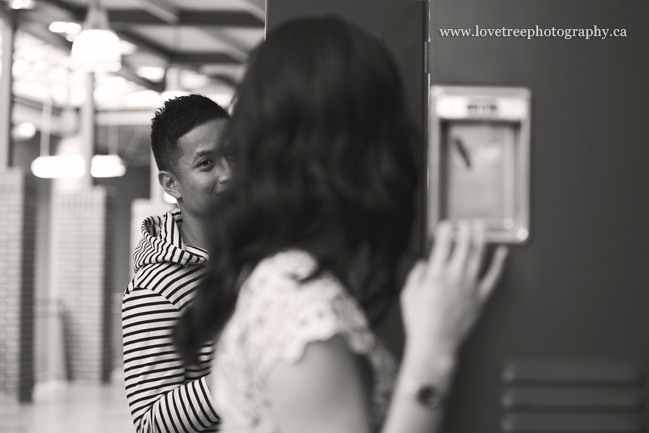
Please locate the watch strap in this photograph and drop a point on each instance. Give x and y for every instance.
(427, 395)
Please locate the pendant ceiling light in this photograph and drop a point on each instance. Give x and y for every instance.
(107, 166)
(96, 48)
(110, 165)
(54, 166)
(59, 166)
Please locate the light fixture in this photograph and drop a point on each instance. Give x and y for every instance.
(56, 166)
(110, 165)
(69, 30)
(97, 47)
(64, 27)
(107, 166)
(153, 73)
(21, 4)
(57, 26)
(73, 28)
(59, 166)
(23, 131)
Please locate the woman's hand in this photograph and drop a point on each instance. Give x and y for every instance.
(443, 297)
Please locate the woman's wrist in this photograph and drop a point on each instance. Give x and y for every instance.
(428, 366)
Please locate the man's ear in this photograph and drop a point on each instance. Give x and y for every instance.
(169, 182)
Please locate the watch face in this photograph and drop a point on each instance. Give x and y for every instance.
(429, 397)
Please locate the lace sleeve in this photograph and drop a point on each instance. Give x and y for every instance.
(285, 313)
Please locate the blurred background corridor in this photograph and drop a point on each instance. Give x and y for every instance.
(76, 183)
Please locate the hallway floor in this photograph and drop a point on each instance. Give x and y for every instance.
(69, 408)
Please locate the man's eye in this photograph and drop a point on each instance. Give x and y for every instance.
(229, 156)
(205, 163)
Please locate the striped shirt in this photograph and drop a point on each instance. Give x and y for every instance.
(163, 393)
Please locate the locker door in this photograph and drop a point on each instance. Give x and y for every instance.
(564, 343)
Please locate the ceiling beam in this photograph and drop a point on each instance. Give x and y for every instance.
(129, 74)
(162, 10)
(180, 58)
(46, 13)
(235, 48)
(225, 79)
(123, 27)
(35, 22)
(42, 33)
(131, 17)
(258, 8)
(127, 18)
(201, 58)
(153, 15)
(145, 44)
(221, 18)
(171, 15)
(79, 12)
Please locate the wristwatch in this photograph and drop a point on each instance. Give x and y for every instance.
(427, 395)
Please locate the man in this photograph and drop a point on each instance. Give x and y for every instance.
(163, 393)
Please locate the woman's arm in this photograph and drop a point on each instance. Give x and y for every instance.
(324, 391)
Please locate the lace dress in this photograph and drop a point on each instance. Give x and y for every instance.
(276, 316)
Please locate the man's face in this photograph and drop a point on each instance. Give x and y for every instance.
(203, 167)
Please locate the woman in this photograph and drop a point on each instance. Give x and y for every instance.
(307, 243)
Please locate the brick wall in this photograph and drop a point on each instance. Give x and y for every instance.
(82, 245)
(17, 238)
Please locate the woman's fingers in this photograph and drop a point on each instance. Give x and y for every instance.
(477, 250)
(457, 263)
(490, 279)
(442, 248)
(464, 261)
(443, 296)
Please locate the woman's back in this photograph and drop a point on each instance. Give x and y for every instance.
(276, 316)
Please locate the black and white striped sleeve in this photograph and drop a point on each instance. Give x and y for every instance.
(159, 394)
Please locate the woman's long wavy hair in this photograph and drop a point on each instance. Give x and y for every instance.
(324, 161)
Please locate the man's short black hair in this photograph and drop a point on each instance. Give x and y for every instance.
(176, 118)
